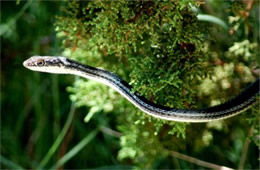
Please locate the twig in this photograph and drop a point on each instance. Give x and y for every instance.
(245, 149)
(114, 133)
(110, 132)
(198, 162)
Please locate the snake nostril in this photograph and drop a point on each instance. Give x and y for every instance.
(26, 64)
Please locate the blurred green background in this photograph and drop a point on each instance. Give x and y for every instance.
(42, 128)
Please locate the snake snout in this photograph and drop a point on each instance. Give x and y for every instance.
(26, 63)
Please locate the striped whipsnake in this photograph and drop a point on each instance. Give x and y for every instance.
(62, 65)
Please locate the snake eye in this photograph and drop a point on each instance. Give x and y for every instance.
(40, 63)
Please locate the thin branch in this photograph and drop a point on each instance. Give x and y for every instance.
(114, 133)
(193, 160)
(110, 132)
(245, 149)
(197, 161)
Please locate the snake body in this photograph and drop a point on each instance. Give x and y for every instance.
(62, 65)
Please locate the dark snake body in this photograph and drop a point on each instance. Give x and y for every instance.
(62, 65)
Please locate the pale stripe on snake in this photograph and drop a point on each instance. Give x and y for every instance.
(62, 65)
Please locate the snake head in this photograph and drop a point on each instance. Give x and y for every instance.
(46, 64)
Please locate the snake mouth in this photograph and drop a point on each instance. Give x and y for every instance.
(33, 62)
(26, 64)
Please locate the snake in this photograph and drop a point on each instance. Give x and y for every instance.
(62, 65)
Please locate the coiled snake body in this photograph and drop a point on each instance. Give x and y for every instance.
(62, 65)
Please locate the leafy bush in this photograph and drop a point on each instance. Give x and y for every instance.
(169, 51)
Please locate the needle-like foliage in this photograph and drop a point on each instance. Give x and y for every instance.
(157, 46)
(187, 54)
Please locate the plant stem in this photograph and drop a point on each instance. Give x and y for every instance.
(198, 161)
(76, 149)
(59, 139)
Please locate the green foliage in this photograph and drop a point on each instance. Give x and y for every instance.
(159, 44)
(156, 46)
(162, 48)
